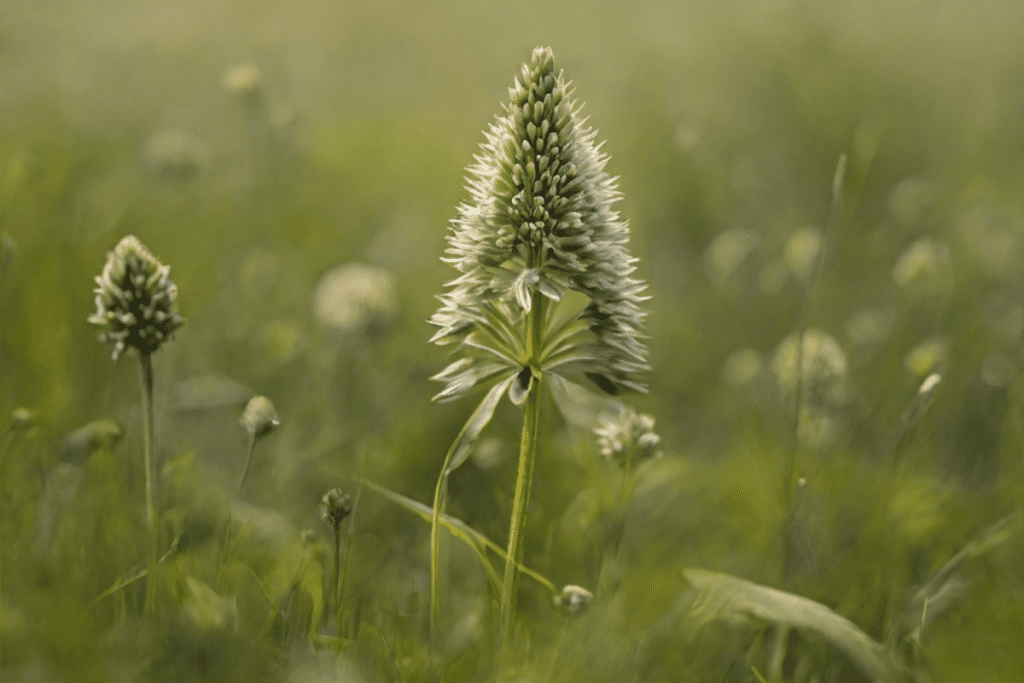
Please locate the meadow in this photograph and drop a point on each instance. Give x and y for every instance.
(822, 481)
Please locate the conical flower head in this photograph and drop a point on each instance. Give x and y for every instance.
(539, 225)
(135, 300)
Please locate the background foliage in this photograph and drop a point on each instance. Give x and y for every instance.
(725, 122)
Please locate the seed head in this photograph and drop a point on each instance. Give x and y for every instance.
(135, 300)
(336, 505)
(627, 434)
(573, 600)
(540, 219)
(259, 417)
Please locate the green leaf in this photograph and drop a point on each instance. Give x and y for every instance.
(478, 542)
(945, 586)
(207, 609)
(725, 597)
(470, 432)
(474, 539)
(126, 580)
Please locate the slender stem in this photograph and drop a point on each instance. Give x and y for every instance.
(789, 474)
(248, 462)
(435, 545)
(626, 491)
(335, 600)
(146, 382)
(348, 554)
(521, 502)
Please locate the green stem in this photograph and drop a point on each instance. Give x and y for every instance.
(248, 462)
(435, 544)
(348, 554)
(152, 516)
(336, 594)
(521, 502)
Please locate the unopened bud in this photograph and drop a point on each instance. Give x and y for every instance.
(336, 505)
(260, 417)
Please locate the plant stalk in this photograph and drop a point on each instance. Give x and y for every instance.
(521, 502)
(152, 516)
(248, 462)
(348, 554)
(524, 476)
(336, 593)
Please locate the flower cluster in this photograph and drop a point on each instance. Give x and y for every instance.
(135, 300)
(539, 224)
(335, 506)
(627, 436)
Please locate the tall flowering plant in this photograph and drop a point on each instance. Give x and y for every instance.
(545, 286)
(136, 309)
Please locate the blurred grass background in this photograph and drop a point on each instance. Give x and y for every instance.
(725, 122)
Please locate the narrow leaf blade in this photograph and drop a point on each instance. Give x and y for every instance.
(729, 597)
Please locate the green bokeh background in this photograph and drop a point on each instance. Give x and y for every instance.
(719, 117)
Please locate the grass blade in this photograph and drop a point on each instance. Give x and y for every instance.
(942, 589)
(727, 597)
(457, 454)
(478, 542)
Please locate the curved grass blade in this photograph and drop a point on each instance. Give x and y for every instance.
(945, 586)
(135, 574)
(478, 542)
(727, 597)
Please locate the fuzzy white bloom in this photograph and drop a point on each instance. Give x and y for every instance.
(349, 297)
(540, 223)
(823, 367)
(176, 154)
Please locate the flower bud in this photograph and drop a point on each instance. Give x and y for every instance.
(336, 505)
(260, 417)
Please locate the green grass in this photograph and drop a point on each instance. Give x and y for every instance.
(898, 556)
